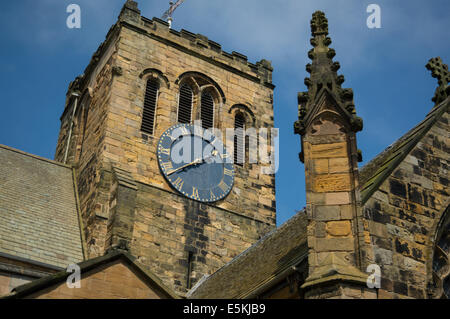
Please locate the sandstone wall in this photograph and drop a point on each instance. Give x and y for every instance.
(402, 215)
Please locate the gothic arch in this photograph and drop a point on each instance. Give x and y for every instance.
(202, 85)
(327, 122)
(155, 73)
(246, 111)
(203, 81)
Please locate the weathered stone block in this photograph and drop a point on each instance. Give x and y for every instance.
(326, 213)
(332, 183)
(339, 228)
(334, 244)
(320, 166)
(339, 165)
(340, 198)
(335, 150)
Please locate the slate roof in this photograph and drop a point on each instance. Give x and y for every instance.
(273, 255)
(38, 209)
(89, 265)
(372, 175)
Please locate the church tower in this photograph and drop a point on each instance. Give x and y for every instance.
(144, 79)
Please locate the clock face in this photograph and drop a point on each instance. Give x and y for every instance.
(195, 163)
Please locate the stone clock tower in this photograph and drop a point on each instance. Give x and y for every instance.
(144, 79)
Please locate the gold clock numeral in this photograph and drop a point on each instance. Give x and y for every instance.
(223, 186)
(228, 172)
(211, 195)
(167, 165)
(195, 192)
(165, 151)
(178, 183)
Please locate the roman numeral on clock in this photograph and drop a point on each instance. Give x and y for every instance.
(228, 172)
(194, 193)
(223, 186)
(166, 165)
(178, 183)
(165, 151)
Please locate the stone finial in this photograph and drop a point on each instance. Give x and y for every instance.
(319, 24)
(324, 77)
(439, 70)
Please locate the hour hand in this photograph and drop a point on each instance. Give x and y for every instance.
(197, 161)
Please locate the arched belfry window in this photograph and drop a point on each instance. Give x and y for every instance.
(207, 110)
(150, 100)
(185, 104)
(239, 139)
(200, 98)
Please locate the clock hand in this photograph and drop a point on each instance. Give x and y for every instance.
(197, 161)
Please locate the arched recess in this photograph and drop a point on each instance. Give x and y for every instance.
(327, 122)
(439, 269)
(207, 100)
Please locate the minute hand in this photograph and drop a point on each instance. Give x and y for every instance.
(197, 161)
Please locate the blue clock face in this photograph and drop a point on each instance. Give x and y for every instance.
(195, 163)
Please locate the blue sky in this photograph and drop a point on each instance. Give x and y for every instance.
(385, 67)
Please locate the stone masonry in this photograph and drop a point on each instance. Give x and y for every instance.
(403, 214)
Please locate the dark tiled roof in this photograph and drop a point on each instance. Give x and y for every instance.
(38, 209)
(89, 265)
(378, 169)
(274, 254)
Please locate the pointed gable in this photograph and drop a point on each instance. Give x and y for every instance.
(375, 172)
(116, 275)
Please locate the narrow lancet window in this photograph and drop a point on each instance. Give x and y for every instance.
(149, 113)
(185, 104)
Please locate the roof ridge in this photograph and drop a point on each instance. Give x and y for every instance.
(396, 152)
(12, 149)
